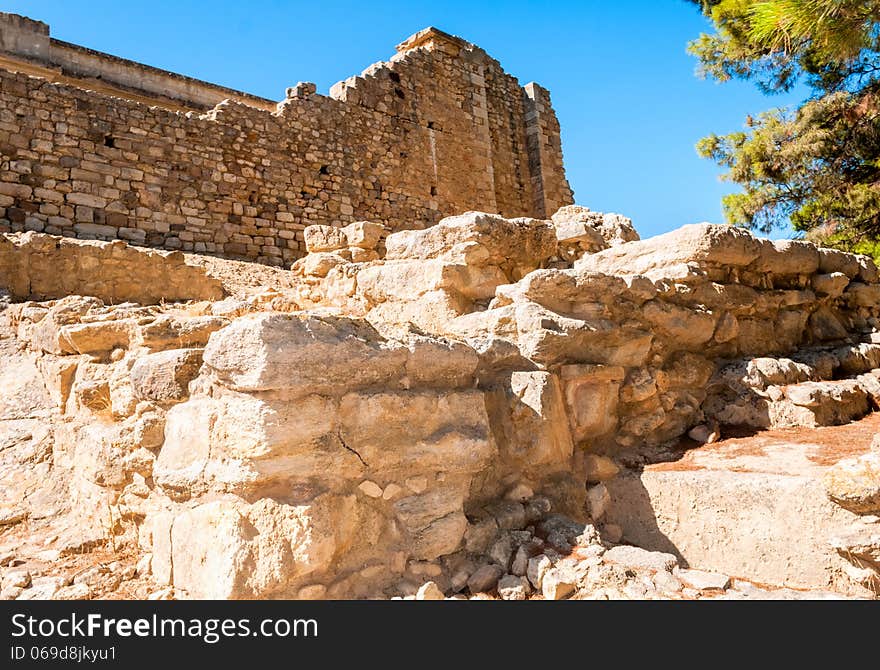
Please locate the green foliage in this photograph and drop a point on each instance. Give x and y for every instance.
(832, 43)
(818, 166)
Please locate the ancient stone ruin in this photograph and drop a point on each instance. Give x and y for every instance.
(99, 147)
(518, 403)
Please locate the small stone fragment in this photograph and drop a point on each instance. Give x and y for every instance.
(371, 489)
(485, 578)
(557, 585)
(537, 568)
(429, 591)
(511, 587)
(702, 580)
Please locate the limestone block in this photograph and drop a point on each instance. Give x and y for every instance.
(613, 229)
(247, 443)
(440, 363)
(854, 483)
(831, 285)
(406, 280)
(165, 376)
(788, 257)
(529, 422)
(176, 332)
(477, 238)
(418, 511)
(359, 255)
(319, 263)
(591, 396)
(765, 371)
(324, 238)
(859, 358)
(703, 580)
(473, 282)
(400, 280)
(700, 244)
(434, 520)
(863, 295)
(226, 549)
(578, 233)
(640, 559)
(187, 445)
(832, 260)
(687, 327)
(363, 234)
(430, 312)
(727, 328)
(412, 432)
(440, 537)
(302, 352)
(58, 375)
(96, 337)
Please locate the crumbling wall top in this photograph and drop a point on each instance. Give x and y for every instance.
(435, 37)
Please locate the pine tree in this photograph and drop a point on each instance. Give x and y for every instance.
(818, 165)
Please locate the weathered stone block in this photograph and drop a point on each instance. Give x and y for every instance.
(165, 376)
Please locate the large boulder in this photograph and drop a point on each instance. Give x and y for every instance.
(311, 352)
(231, 550)
(165, 376)
(477, 238)
(611, 229)
(671, 254)
(528, 418)
(302, 352)
(176, 332)
(854, 483)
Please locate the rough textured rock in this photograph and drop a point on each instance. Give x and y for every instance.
(635, 557)
(165, 376)
(702, 580)
(854, 483)
(451, 410)
(111, 271)
(484, 578)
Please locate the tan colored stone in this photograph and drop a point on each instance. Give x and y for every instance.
(530, 424)
(324, 238)
(599, 468)
(591, 395)
(371, 489)
(306, 352)
(363, 234)
(854, 483)
(165, 376)
(174, 332)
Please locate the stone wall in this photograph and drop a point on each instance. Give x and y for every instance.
(395, 410)
(26, 46)
(438, 130)
(41, 267)
(647, 338)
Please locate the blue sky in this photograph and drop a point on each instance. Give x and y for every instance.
(629, 103)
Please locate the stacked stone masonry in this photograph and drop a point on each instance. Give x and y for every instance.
(414, 409)
(93, 147)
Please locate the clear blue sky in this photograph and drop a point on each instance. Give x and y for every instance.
(629, 103)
